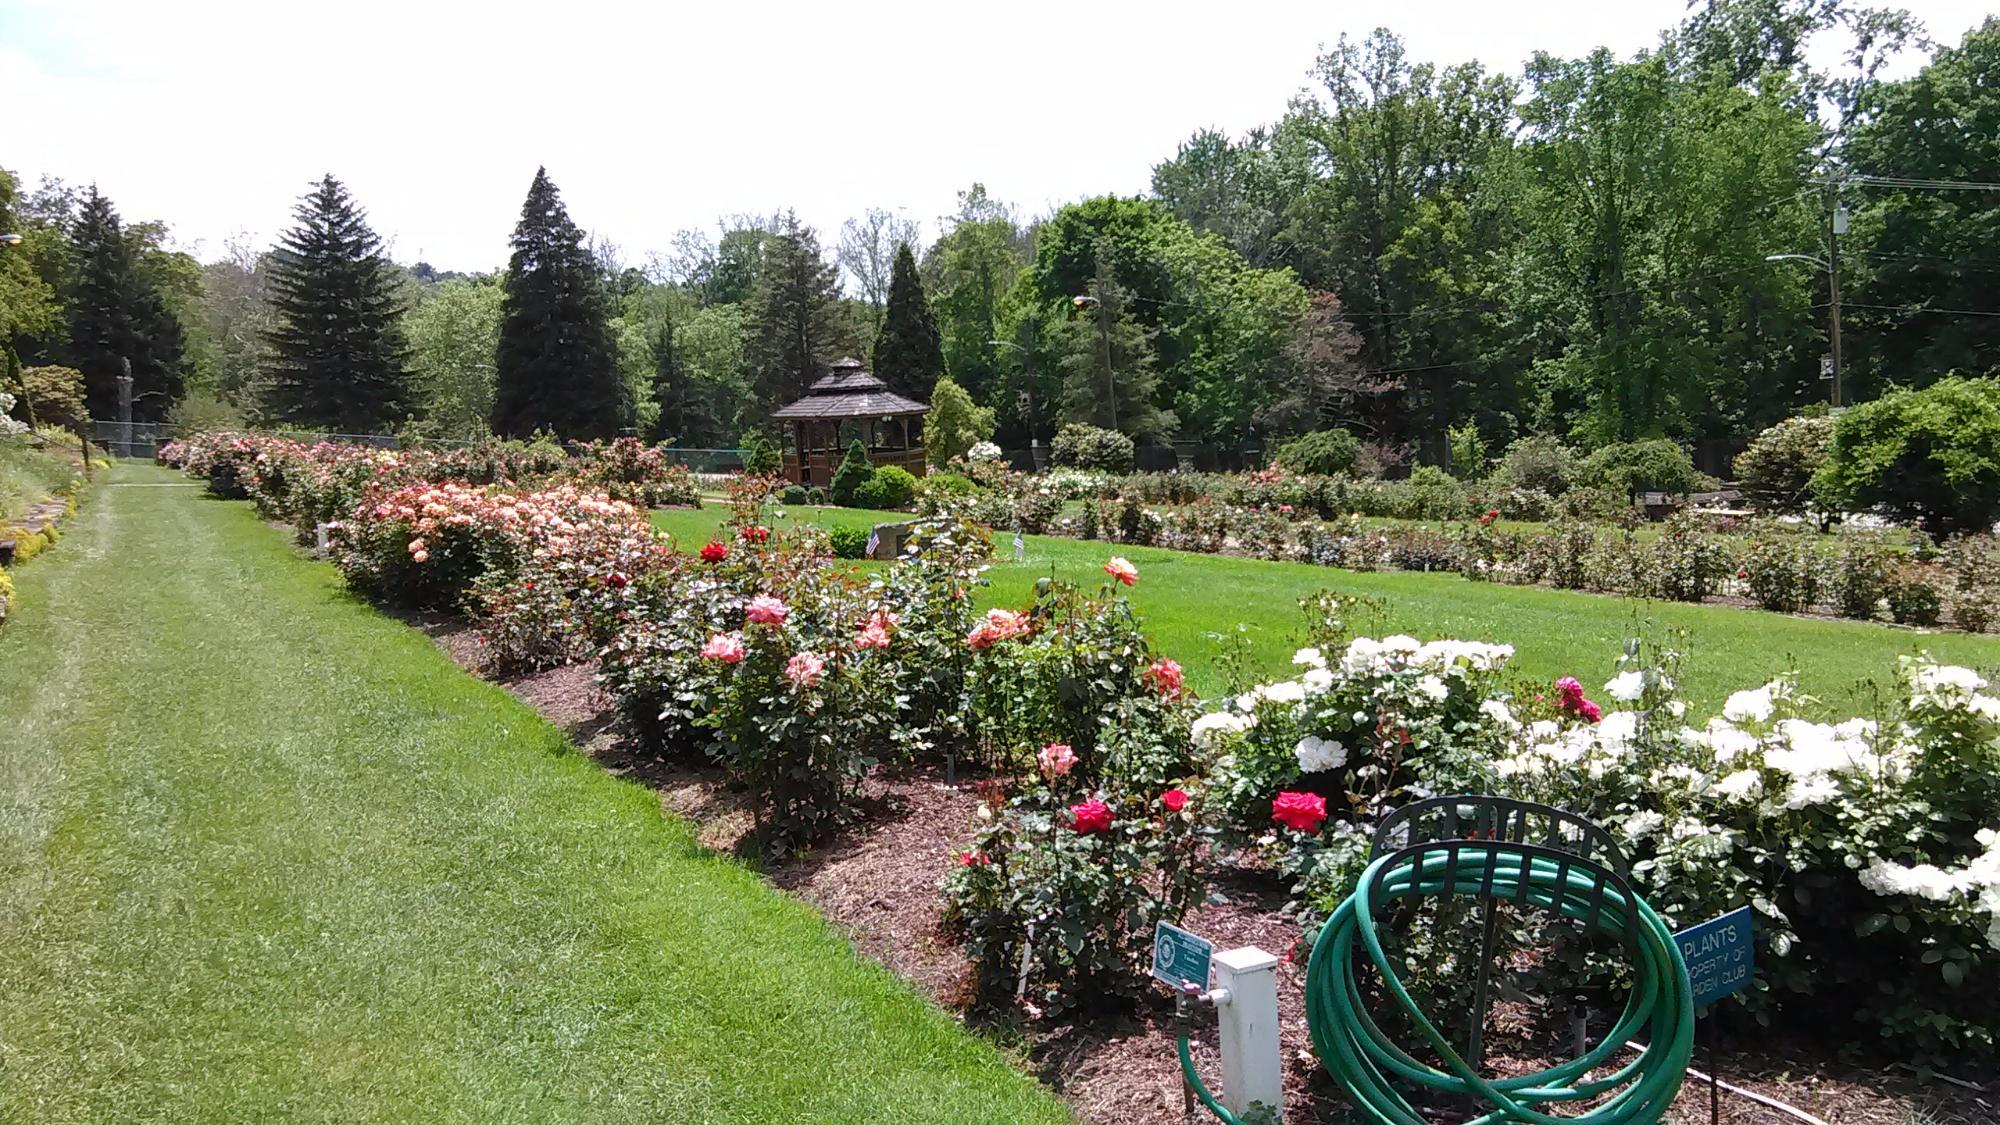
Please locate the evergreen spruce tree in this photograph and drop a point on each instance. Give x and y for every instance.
(557, 366)
(909, 353)
(854, 471)
(115, 315)
(1110, 377)
(794, 323)
(339, 359)
(686, 413)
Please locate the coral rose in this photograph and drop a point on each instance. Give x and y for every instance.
(1166, 676)
(1122, 569)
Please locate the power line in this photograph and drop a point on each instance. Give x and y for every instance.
(1914, 183)
(1913, 309)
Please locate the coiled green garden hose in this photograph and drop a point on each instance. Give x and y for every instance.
(1362, 1059)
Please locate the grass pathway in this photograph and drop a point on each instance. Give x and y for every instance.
(1185, 597)
(265, 854)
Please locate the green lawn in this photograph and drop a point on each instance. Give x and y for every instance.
(1186, 597)
(267, 855)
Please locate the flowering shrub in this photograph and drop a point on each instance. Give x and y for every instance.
(1072, 668)
(1344, 726)
(639, 474)
(424, 545)
(1059, 893)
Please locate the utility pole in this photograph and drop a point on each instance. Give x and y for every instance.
(1836, 227)
(1110, 373)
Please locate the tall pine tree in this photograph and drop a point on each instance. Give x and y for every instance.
(909, 353)
(687, 409)
(339, 358)
(557, 366)
(1110, 377)
(115, 314)
(794, 325)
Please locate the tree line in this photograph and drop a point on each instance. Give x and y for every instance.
(1413, 253)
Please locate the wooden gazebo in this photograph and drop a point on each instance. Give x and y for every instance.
(846, 404)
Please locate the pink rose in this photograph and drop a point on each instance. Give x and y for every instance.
(766, 610)
(726, 647)
(1122, 569)
(1090, 816)
(804, 669)
(1057, 759)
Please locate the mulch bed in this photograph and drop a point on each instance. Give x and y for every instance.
(879, 883)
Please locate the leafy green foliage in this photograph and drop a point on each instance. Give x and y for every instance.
(954, 424)
(888, 488)
(1930, 457)
(57, 394)
(454, 333)
(1080, 446)
(1324, 452)
(557, 364)
(339, 360)
(761, 454)
(1543, 464)
(1630, 468)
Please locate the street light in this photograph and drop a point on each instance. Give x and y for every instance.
(1830, 266)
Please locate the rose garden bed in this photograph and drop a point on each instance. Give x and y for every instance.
(822, 704)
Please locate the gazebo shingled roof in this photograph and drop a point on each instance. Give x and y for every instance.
(850, 392)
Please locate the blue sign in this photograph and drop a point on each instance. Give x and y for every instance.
(1179, 957)
(1719, 954)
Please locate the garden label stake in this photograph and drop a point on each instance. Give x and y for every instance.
(1720, 954)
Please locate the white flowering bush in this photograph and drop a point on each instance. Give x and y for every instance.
(1860, 842)
(1345, 725)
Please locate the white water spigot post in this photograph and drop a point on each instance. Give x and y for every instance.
(1253, 1072)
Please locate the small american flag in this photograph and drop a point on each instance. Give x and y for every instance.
(1020, 548)
(874, 540)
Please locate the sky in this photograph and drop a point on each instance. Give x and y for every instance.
(215, 115)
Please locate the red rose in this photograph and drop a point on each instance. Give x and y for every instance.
(619, 580)
(1174, 799)
(1304, 812)
(714, 552)
(974, 859)
(1090, 816)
